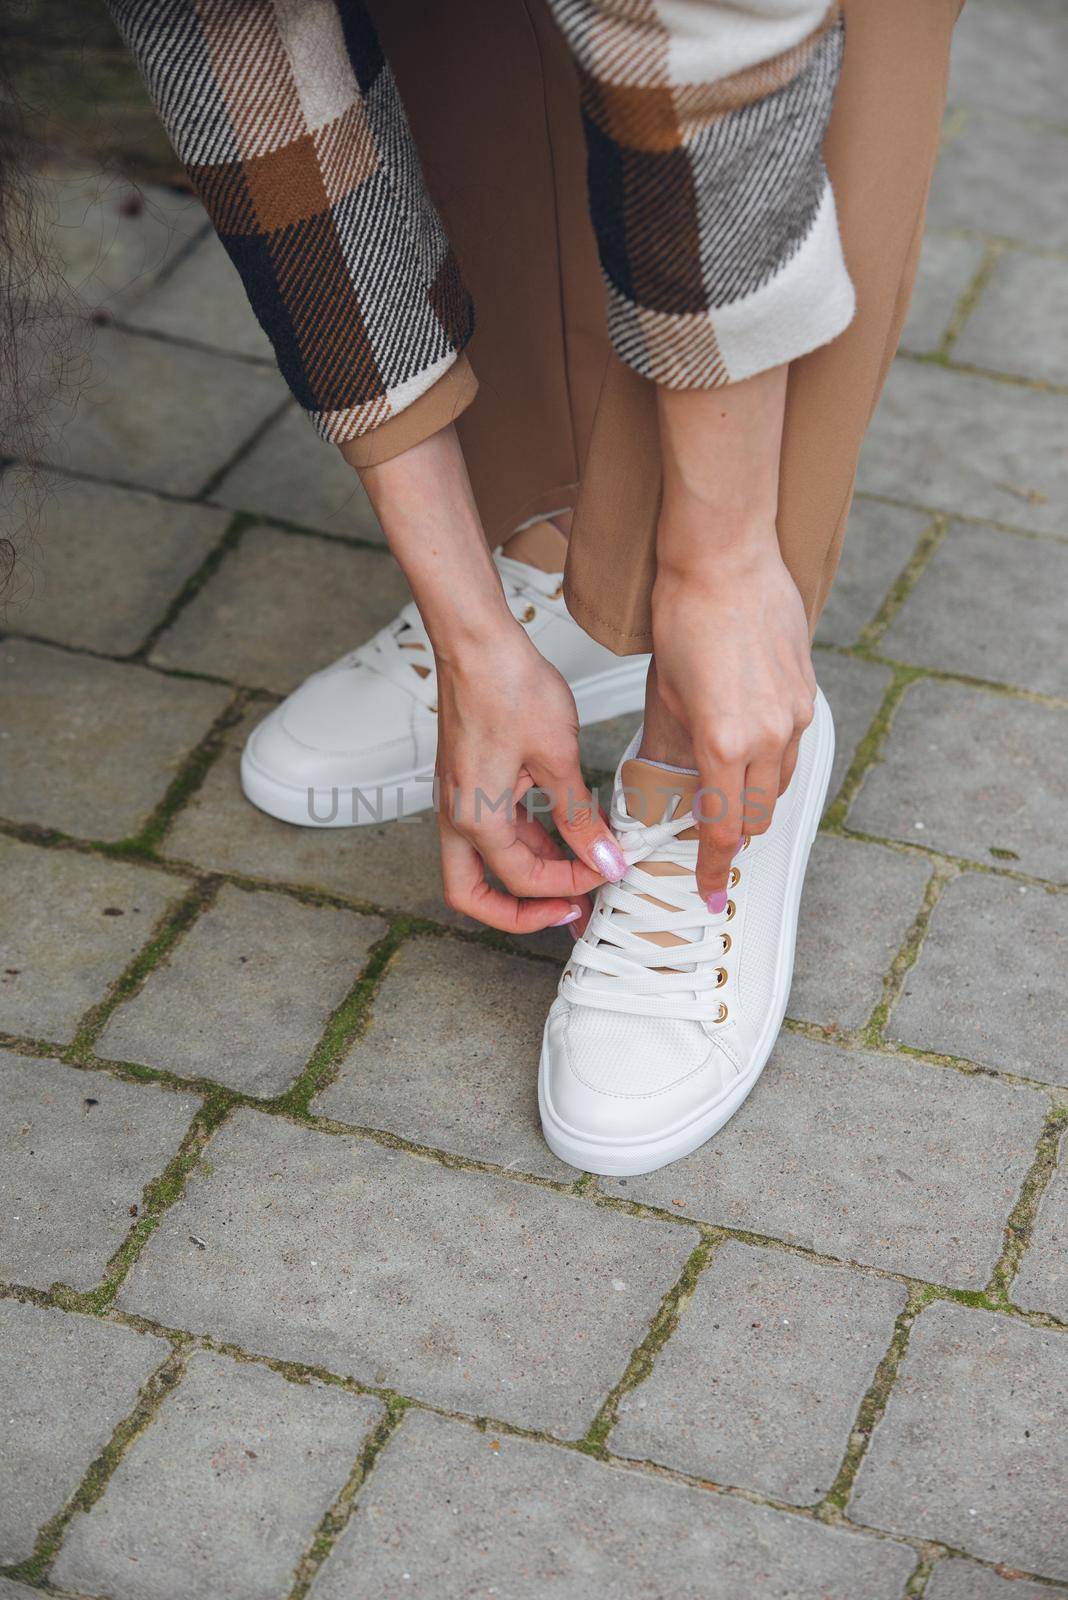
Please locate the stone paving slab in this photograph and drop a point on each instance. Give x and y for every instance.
(245, 996)
(90, 746)
(969, 446)
(112, 237)
(435, 1064)
(69, 925)
(293, 475)
(978, 181)
(963, 1580)
(17, 1591)
(879, 542)
(989, 605)
(1011, 57)
(1021, 322)
(225, 1487)
(869, 1158)
(123, 427)
(1042, 1282)
(855, 691)
(106, 563)
(280, 607)
(948, 265)
(989, 982)
(66, 1382)
(974, 773)
(202, 299)
(79, 1148)
(602, 743)
(760, 1384)
(454, 1512)
(860, 901)
(476, 1293)
(989, 1394)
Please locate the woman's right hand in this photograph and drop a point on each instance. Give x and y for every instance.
(507, 725)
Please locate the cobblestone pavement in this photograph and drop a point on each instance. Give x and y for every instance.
(295, 1301)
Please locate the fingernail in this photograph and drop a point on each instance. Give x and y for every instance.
(609, 859)
(716, 901)
(572, 916)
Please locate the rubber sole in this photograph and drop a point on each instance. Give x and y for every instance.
(614, 693)
(626, 1159)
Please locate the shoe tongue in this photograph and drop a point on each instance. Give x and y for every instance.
(652, 794)
(542, 546)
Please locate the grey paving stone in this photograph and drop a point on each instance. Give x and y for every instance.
(66, 1382)
(970, 445)
(79, 1148)
(880, 541)
(113, 237)
(106, 563)
(989, 982)
(989, 605)
(291, 474)
(963, 1580)
(602, 743)
(280, 607)
(89, 746)
(948, 264)
(17, 1591)
(202, 299)
(226, 1486)
(1021, 322)
(477, 1293)
(1042, 1282)
(160, 415)
(245, 996)
(972, 773)
(972, 1448)
(977, 183)
(450, 1058)
(454, 1512)
(859, 902)
(868, 1158)
(854, 691)
(760, 1384)
(69, 925)
(1010, 57)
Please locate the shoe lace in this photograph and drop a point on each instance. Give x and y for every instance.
(612, 947)
(401, 651)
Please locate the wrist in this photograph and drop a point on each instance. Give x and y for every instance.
(461, 634)
(697, 548)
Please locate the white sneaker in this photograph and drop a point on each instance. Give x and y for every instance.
(356, 742)
(642, 1062)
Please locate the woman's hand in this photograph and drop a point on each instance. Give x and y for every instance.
(507, 725)
(734, 669)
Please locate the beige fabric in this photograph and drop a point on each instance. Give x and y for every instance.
(492, 98)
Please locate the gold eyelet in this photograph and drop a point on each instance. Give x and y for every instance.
(433, 708)
(557, 592)
(722, 1017)
(529, 614)
(721, 977)
(745, 841)
(731, 908)
(734, 878)
(726, 943)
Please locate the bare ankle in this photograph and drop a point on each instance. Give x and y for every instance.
(663, 738)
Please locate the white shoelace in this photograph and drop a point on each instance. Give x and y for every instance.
(401, 650)
(685, 981)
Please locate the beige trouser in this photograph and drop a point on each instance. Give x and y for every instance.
(554, 419)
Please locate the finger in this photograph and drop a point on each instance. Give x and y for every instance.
(789, 762)
(580, 820)
(467, 891)
(762, 789)
(718, 812)
(501, 840)
(541, 841)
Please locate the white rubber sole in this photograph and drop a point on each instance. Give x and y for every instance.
(616, 1158)
(613, 693)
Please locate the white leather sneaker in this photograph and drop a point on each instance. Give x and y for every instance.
(356, 742)
(642, 1062)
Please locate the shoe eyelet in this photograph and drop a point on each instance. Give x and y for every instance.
(734, 878)
(558, 592)
(529, 614)
(745, 841)
(726, 943)
(722, 1015)
(433, 708)
(731, 908)
(721, 977)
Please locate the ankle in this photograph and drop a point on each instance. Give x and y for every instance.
(664, 739)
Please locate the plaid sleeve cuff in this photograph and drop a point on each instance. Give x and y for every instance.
(714, 215)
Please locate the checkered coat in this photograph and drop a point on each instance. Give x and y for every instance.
(714, 218)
